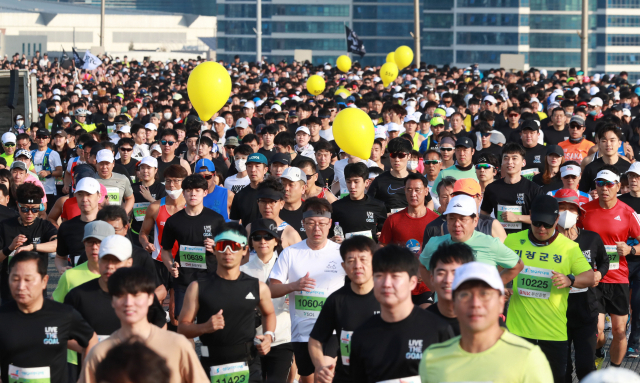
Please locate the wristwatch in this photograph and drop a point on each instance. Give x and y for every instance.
(633, 250)
(572, 278)
(273, 335)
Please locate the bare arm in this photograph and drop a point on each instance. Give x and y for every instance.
(186, 166)
(279, 289)
(56, 212)
(230, 196)
(147, 226)
(128, 203)
(290, 237)
(508, 275)
(188, 313)
(498, 231)
(62, 264)
(268, 319)
(57, 172)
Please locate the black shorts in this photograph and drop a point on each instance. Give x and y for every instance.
(162, 274)
(426, 297)
(303, 359)
(615, 298)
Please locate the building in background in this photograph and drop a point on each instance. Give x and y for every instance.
(30, 26)
(194, 7)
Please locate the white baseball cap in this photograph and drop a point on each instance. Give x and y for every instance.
(276, 107)
(117, 245)
(156, 148)
(242, 123)
(294, 174)
(66, 119)
(450, 111)
(534, 99)
(151, 126)
(626, 112)
(490, 99)
(393, 127)
(124, 129)
(56, 91)
(634, 168)
(19, 117)
(219, 120)
(608, 175)
(570, 170)
(474, 271)
(411, 117)
(149, 160)
(8, 137)
(104, 155)
(463, 205)
(249, 104)
(610, 375)
(89, 185)
(596, 101)
(303, 129)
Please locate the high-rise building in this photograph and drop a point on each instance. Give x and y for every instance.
(194, 7)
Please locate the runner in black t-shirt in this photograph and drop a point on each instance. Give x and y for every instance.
(192, 229)
(92, 299)
(345, 310)
(244, 207)
(509, 198)
(534, 152)
(147, 190)
(444, 262)
(388, 187)
(35, 331)
(608, 141)
(390, 346)
(25, 233)
(294, 181)
(6, 212)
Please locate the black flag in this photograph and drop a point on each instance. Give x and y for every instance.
(354, 44)
(79, 62)
(65, 61)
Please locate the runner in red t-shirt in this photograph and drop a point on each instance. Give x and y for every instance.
(406, 228)
(615, 222)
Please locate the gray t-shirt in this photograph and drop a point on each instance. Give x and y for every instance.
(118, 187)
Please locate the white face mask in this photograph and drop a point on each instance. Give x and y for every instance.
(111, 114)
(174, 194)
(241, 165)
(412, 165)
(567, 219)
(20, 122)
(167, 116)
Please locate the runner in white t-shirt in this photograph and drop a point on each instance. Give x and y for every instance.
(236, 182)
(46, 168)
(309, 272)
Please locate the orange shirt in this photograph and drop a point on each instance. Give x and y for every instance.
(576, 152)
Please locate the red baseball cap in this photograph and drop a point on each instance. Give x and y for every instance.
(569, 196)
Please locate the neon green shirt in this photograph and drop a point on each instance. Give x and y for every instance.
(511, 360)
(70, 279)
(538, 309)
(486, 249)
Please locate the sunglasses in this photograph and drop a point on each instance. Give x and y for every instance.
(513, 115)
(126, 149)
(25, 209)
(42, 137)
(210, 176)
(164, 142)
(575, 127)
(9, 145)
(309, 176)
(446, 149)
(484, 166)
(602, 183)
(398, 155)
(539, 223)
(486, 134)
(431, 162)
(221, 246)
(260, 237)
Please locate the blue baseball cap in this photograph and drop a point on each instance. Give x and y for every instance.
(204, 163)
(258, 158)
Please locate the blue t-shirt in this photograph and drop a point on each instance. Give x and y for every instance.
(217, 201)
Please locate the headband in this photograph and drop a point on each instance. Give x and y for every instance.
(23, 200)
(313, 214)
(231, 236)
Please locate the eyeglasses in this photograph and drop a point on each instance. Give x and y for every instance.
(603, 183)
(484, 166)
(466, 295)
(165, 142)
(446, 149)
(431, 162)
(208, 177)
(321, 225)
(539, 223)
(260, 237)
(172, 181)
(126, 149)
(310, 176)
(398, 155)
(25, 209)
(222, 246)
(9, 145)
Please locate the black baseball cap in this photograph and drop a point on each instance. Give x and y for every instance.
(265, 224)
(269, 193)
(544, 208)
(529, 125)
(43, 132)
(281, 158)
(555, 149)
(464, 141)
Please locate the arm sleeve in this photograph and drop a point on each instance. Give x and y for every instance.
(634, 225)
(504, 256)
(601, 257)
(54, 160)
(326, 322)
(80, 330)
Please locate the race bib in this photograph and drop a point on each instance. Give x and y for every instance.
(345, 346)
(614, 257)
(309, 303)
(193, 257)
(139, 210)
(408, 379)
(111, 129)
(535, 282)
(103, 337)
(517, 210)
(113, 195)
(529, 173)
(366, 233)
(29, 375)
(230, 373)
(393, 211)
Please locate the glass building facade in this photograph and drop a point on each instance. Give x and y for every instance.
(194, 7)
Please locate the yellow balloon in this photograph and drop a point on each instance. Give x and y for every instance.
(354, 132)
(403, 57)
(209, 88)
(315, 85)
(342, 92)
(388, 73)
(344, 63)
(390, 58)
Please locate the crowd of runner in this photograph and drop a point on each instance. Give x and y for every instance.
(492, 235)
